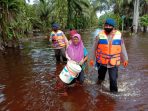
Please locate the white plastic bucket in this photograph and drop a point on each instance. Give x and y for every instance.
(74, 68)
(70, 71)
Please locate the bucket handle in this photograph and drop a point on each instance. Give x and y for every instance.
(72, 72)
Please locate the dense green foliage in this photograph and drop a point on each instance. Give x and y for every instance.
(144, 20)
(18, 19)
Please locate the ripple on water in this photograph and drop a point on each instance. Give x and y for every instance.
(34, 80)
(2, 96)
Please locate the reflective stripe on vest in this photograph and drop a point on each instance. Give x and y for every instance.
(108, 52)
(58, 39)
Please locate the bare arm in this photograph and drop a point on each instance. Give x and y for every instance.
(95, 43)
(85, 58)
(124, 56)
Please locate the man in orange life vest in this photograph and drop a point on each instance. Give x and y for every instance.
(109, 49)
(59, 42)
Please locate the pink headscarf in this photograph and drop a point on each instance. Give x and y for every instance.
(72, 32)
(75, 52)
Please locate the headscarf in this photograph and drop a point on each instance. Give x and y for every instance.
(110, 21)
(72, 32)
(55, 25)
(75, 51)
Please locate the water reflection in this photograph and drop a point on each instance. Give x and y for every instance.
(28, 77)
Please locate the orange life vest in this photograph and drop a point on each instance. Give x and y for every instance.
(108, 52)
(58, 39)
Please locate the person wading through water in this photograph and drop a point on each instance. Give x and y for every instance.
(59, 42)
(108, 51)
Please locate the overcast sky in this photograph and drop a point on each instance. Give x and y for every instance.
(31, 1)
(98, 13)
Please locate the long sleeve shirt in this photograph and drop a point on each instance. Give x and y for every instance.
(124, 56)
(65, 38)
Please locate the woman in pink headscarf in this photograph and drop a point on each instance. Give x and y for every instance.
(78, 53)
(71, 33)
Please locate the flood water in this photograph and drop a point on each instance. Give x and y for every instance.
(28, 78)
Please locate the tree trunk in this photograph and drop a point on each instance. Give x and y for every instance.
(144, 29)
(69, 14)
(1, 46)
(136, 15)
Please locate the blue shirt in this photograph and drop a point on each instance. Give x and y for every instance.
(85, 52)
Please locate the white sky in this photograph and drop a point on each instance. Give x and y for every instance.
(31, 1)
(98, 13)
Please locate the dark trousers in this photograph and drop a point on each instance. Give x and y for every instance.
(60, 53)
(80, 78)
(113, 75)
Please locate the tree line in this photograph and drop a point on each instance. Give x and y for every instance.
(18, 18)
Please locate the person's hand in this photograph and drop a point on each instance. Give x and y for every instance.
(125, 63)
(74, 62)
(81, 62)
(91, 63)
(69, 59)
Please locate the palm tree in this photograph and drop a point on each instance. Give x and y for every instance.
(144, 11)
(101, 5)
(129, 8)
(59, 12)
(76, 8)
(14, 20)
(140, 8)
(119, 8)
(43, 11)
(9, 8)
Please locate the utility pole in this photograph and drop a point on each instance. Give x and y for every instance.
(123, 17)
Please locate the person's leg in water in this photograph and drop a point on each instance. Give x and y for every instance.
(63, 54)
(101, 73)
(57, 55)
(61, 87)
(80, 78)
(113, 75)
(66, 87)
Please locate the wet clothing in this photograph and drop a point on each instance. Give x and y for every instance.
(108, 52)
(112, 69)
(60, 53)
(113, 75)
(77, 52)
(58, 39)
(124, 56)
(59, 43)
(80, 78)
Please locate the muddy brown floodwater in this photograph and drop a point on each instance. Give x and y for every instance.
(28, 77)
